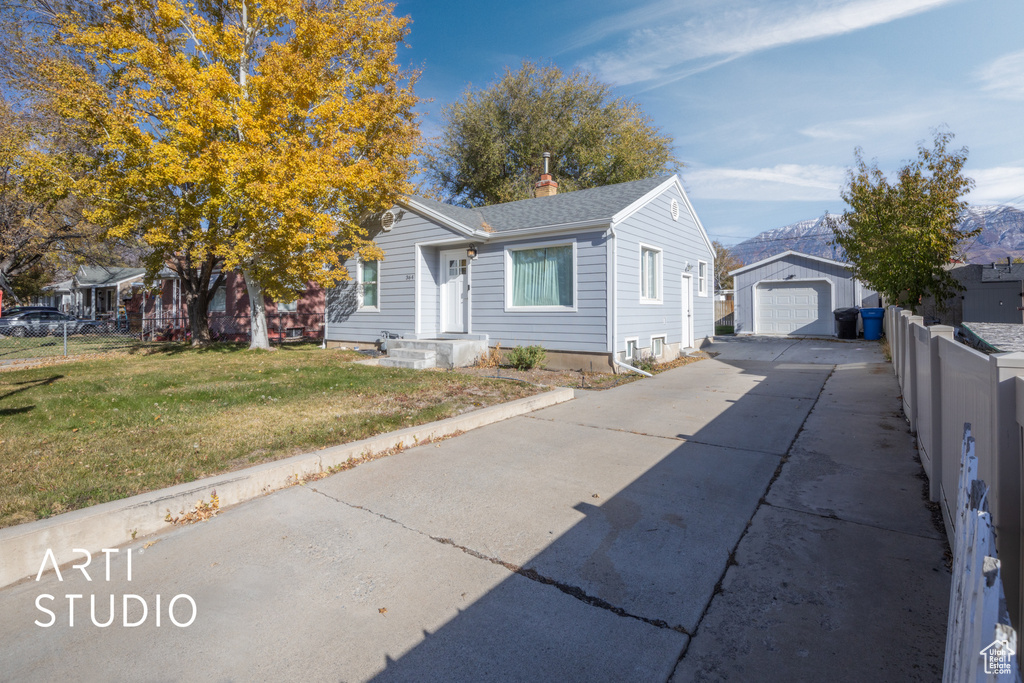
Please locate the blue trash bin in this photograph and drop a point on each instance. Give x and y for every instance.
(872, 322)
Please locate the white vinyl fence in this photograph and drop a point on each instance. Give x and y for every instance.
(945, 385)
(980, 643)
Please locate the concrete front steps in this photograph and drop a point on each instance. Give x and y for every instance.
(418, 354)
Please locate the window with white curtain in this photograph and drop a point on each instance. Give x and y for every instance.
(650, 274)
(541, 277)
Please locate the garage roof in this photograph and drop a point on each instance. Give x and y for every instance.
(784, 254)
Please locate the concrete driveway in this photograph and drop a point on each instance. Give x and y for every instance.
(716, 522)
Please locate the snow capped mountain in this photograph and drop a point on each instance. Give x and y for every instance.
(1002, 235)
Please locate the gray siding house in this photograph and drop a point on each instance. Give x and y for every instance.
(794, 293)
(616, 272)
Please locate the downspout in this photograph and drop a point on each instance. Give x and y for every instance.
(630, 367)
(613, 322)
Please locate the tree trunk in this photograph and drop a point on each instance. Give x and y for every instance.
(195, 285)
(258, 315)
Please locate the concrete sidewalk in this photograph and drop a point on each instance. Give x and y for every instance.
(751, 517)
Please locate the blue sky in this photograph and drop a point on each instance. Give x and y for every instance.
(765, 100)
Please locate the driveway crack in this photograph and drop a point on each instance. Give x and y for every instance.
(525, 572)
(760, 503)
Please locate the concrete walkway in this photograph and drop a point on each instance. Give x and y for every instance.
(758, 516)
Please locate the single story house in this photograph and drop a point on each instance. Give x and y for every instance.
(606, 274)
(93, 292)
(795, 294)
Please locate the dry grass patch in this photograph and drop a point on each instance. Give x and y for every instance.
(83, 433)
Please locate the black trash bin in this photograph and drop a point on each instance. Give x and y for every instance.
(846, 322)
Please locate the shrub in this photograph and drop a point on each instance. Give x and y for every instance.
(490, 358)
(646, 363)
(525, 358)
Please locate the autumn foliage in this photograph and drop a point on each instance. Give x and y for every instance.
(258, 136)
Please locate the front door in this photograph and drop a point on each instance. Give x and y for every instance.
(454, 290)
(687, 298)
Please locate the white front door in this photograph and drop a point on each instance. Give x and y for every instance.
(454, 290)
(687, 299)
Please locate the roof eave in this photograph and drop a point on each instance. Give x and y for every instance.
(790, 252)
(411, 204)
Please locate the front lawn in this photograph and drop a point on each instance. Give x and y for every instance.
(78, 434)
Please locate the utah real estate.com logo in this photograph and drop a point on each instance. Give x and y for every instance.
(998, 657)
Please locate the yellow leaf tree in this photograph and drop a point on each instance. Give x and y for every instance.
(246, 136)
(42, 225)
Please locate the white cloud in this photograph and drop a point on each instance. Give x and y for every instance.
(856, 130)
(783, 183)
(997, 185)
(1005, 76)
(668, 50)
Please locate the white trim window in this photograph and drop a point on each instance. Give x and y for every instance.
(650, 274)
(368, 285)
(541, 277)
(632, 348)
(702, 278)
(658, 346)
(288, 306)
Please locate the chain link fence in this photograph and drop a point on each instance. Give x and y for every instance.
(44, 336)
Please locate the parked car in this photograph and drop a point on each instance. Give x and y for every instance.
(22, 309)
(40, 323)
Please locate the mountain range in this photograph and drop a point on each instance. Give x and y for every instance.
(1002, 236)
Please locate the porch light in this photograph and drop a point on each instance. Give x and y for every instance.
(471, 252)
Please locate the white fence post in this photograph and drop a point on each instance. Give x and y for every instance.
(978, 633)
(935, 368)
(1005, 479)
(910, 371)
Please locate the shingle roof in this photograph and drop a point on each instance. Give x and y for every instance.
(597, 205)
(103, 276)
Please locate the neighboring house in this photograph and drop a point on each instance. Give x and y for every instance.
(229, 313)
(991, 294)
(57, 295)
(93, 292)
(795, 294)
(593, 276)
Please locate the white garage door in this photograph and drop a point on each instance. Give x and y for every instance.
(794, 308)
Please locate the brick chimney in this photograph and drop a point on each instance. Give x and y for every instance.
(545, 187)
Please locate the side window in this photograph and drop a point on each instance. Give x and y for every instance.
(702, 278)
(650, 274)
(632, 349)
(657, 346)
(369, 284)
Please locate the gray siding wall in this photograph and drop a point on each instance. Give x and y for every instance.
(396, 290)
(681, 242)
(992, 302)
(584, 329)
(800, 268)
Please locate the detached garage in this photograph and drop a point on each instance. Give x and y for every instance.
(795, 294)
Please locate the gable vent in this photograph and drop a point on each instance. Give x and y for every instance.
(387, 221)
(674, 209)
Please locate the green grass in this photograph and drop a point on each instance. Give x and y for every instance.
(82, 433)
(723, 329)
